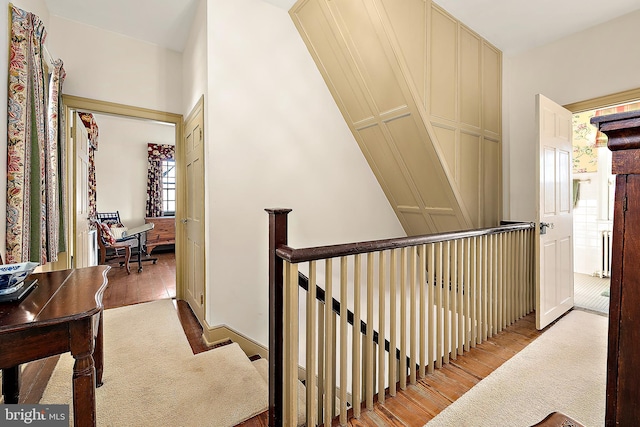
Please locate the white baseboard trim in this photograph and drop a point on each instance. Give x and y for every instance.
(215, 334)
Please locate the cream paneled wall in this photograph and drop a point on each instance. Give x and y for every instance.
(464, 104)
(421, 94)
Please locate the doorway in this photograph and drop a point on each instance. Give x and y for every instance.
(72, 104)
(593, 196)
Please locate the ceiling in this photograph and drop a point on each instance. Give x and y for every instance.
(162, 22)
(517, 25)
(511, 25)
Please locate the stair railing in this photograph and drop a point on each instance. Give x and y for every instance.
(432, 296)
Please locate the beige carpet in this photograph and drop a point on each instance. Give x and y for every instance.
(152, 378)
(562, 370)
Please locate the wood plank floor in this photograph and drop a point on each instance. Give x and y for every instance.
(422, 401)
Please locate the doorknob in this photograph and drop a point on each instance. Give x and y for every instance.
(544, 225)
(184, 220)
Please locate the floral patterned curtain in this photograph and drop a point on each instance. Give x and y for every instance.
(34, 153)
(156, 154)
(92, 130)
(55, 154)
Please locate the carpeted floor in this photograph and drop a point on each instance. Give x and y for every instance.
(562, 370)
(152, 378)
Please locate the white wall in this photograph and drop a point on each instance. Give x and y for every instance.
(121, 164)
(275, 139)
(602, 60)
(194, 61)
(110, 67)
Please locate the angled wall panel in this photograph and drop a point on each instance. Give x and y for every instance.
(413, 85)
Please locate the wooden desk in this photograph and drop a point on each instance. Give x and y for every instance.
(137, 232)
(64, 313)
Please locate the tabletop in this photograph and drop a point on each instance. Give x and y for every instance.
(137, 230)
(60, 296)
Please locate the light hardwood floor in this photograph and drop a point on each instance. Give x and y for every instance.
(421, 402)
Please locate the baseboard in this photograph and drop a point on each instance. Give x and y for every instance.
(216, 334)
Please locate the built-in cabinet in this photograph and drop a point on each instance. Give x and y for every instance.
(623, 376)
(421, 94)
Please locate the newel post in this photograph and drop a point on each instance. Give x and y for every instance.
(277, 237)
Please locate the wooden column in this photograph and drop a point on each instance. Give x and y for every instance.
(277, 238)
(623, 376)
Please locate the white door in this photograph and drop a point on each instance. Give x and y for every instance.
(81, 166)
(554, 257)
(193, 221)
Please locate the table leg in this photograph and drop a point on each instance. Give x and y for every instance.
(84, 373)
(139, 253)
(98, 352)
(11, 384)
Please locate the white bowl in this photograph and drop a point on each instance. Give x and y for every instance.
(12, 276)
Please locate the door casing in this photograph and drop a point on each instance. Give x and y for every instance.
(75, 103)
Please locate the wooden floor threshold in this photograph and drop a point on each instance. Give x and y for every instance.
(422, 401)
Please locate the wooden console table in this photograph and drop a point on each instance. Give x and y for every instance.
(63, 313)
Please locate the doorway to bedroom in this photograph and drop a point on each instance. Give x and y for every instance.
(135, 176)
(126, 135)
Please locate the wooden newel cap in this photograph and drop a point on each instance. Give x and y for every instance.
(623, 132)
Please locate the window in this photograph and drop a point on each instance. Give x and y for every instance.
(168, 187)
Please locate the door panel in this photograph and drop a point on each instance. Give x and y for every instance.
(194, 218)
(554, 258)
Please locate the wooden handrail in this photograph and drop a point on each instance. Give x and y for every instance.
(332, 251)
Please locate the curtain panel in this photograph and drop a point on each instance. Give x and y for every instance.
(55, 154)
(156, 153)
(92, 130)
(34, 176)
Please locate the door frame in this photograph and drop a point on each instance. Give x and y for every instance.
(199, 310)
(72, 103)
(605, 101)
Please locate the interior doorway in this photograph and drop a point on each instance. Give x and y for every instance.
(593, 196)
(72, 104)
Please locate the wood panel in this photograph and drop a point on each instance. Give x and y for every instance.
(314, 24)
(491, 90)
(443, 65)
(491, 181)
(415, 87)
(408, 20)
(469, 81)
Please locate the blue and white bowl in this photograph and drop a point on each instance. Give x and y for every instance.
(12, 276)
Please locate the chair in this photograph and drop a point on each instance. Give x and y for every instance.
(110, 248)
(109, 218)
(113, 227)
